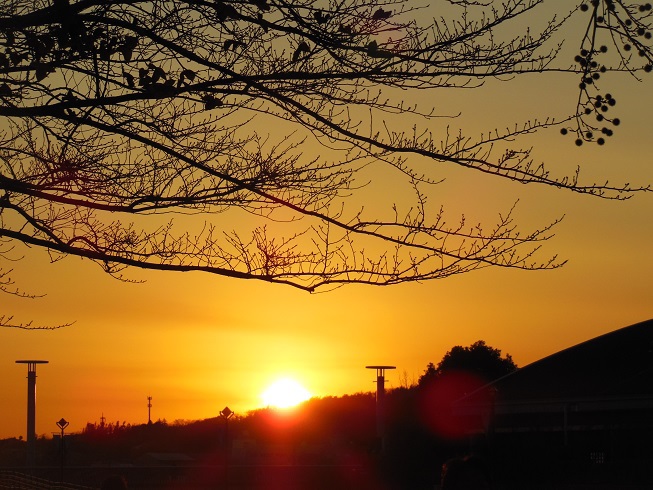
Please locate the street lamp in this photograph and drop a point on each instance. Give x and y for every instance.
(380, 395)
(62, 424)
(31, 409)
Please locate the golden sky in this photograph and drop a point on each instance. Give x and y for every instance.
(197, 343)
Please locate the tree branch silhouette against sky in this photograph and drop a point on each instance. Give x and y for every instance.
(118, 115)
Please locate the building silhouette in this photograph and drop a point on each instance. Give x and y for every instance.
(585, 412)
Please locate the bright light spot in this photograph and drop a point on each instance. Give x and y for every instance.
(285, 393)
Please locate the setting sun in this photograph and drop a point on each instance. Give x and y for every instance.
(285, 393)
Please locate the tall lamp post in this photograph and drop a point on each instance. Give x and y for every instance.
(380, 395)
(62, 424)
(31, 409)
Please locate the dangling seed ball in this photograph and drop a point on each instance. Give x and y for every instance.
(563, 131)
(603, 49)
(579, 142)
(616, 121)
(600, 141)
(599, 117)
(584, 7)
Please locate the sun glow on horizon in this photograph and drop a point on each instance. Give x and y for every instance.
(285, 393)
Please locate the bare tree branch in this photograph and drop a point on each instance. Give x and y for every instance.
(115, 113)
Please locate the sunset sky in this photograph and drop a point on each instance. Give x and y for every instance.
(197, 343)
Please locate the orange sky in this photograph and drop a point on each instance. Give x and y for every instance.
(196, 343)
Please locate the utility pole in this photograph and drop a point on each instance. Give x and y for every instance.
(149, 408)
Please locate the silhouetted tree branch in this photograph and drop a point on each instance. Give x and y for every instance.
(131, 110)
(8, 286)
